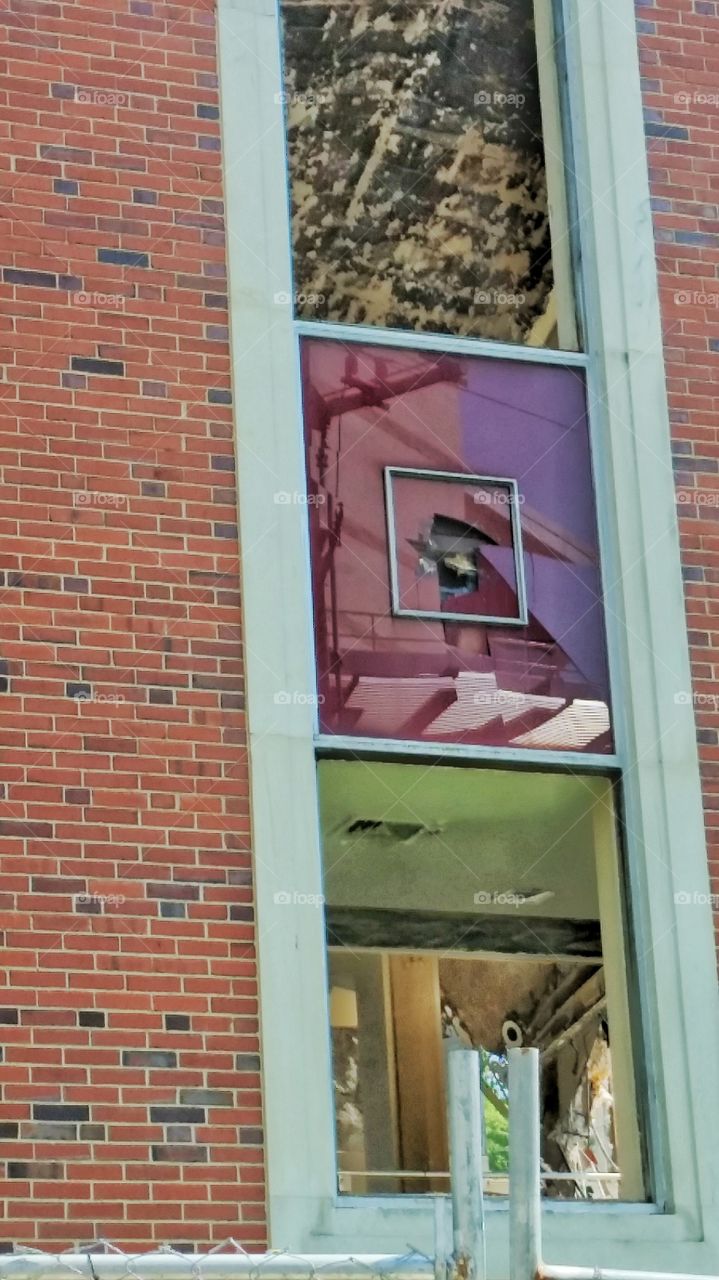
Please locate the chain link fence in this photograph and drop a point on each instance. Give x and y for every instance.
(228, 1260)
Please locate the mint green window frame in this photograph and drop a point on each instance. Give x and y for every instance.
(674, 947)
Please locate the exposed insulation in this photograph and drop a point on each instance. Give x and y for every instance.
(418, 177)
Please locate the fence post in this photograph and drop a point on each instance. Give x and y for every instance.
(466, 1163)
(525, 1205)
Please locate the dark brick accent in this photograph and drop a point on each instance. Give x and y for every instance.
(76, 689)
(177, 1115)
(60, 90)
(50, 1169)
(206, 111)
(65, 187)
(60, 1111)
(654, 130)
(216, 300)
(223, 462)
(91, 1018)
(178, 1154)
(177, 1022)
(217, 332)
(75, 155)
(179, 1133)
(42, 279)
(92, 364)
(50, 1131)
(88, 906)
(161, 697)
(9, 1017)
(8, 1129)
(239, 911)
(222, 530)
(232, 701)
(47, 1018)
(141, 196)
(214, 682)
(252, 1137)
(16, 827)
(76, 795)
(247, 1062)
(81, 585)
(705, 239)
(206, 1097)
(149, 1058)
(173, 910)
(216, 395)
(174, 892)
(123, 258)
(93, 1132)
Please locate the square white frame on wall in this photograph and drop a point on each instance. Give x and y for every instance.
(673, 944)
(455, 477)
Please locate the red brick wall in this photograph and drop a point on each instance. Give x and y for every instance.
(679, 52)
(128, 1024)
(128, 1027)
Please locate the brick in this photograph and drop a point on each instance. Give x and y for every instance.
(26, 830)
(60, 1111)
(177, 1022)
(50, 1131)
(177, 1115)
(45, 1169)
(92, 364)
(206, 1097)
(91, 1018)
(92, 1133)
(149, 1058)
(41, 279)
(77, 795)
(123, 257)
(179, 1154)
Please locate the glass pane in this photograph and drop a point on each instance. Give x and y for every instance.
(451, 923)
(419, 185)
(386, 673)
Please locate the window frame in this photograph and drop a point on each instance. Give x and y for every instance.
(649, 664)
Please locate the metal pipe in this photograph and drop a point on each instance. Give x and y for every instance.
(525, 1205)
(547, 1272)
(236, 1265)
(465, 1162)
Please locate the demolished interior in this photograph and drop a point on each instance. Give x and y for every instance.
(480, 907)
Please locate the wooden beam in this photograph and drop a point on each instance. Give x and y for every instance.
(370, 928)
(419, 1057)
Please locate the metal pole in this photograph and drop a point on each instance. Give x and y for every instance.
(609, 1273)
(234, 1265)
(465, 1163)
(525, 1205)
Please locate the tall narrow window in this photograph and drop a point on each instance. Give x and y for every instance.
(457, 594)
